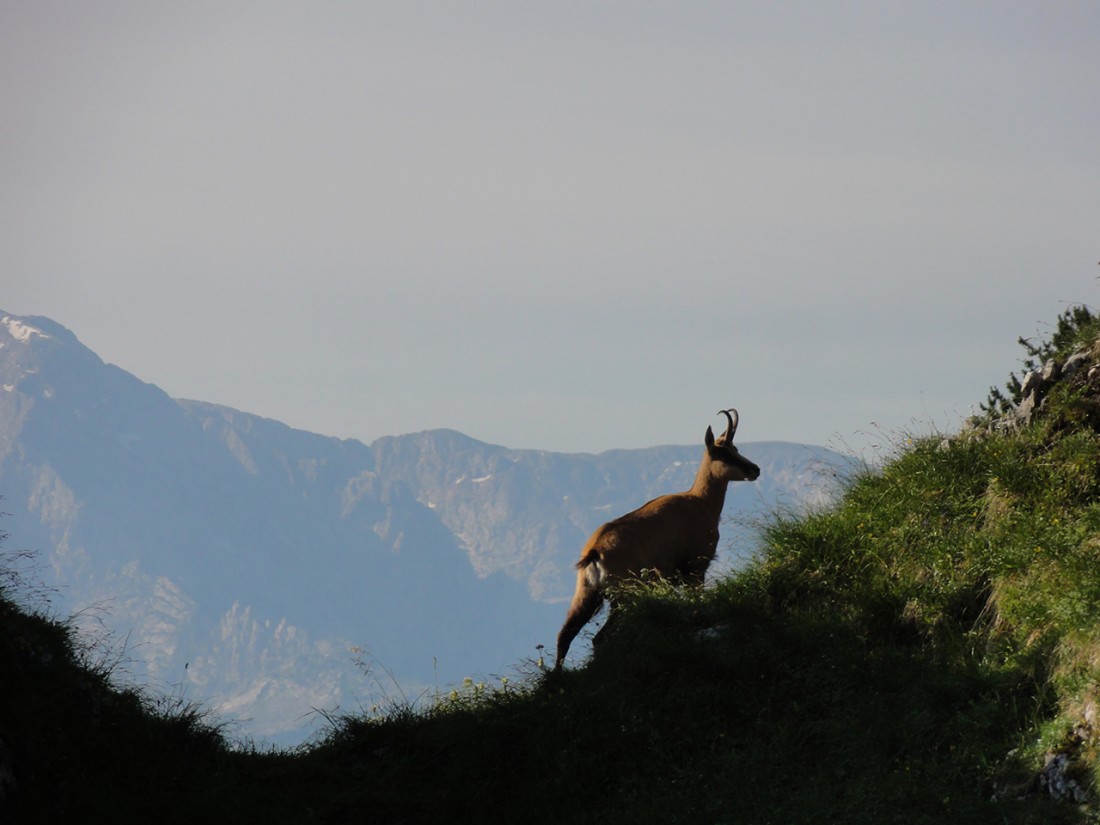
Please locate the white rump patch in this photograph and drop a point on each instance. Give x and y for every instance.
(595, 575)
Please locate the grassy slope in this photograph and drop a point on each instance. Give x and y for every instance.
(924, 646)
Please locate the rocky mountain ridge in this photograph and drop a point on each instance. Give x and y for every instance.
(269, 570)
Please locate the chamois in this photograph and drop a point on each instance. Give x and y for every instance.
(674, 536)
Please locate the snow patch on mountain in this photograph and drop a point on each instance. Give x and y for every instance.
(19, 330)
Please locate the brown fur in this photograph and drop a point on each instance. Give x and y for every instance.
(675, 536)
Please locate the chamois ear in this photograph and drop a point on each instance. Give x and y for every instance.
(709, 439)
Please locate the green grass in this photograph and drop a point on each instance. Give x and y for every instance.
(914, 653)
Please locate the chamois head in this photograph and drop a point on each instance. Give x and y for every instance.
(726, 463)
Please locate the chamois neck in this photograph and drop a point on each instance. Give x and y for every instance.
(708, 487)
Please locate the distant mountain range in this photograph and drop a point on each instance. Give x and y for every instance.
(269, 571)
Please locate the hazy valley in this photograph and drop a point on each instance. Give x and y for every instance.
(269, 571)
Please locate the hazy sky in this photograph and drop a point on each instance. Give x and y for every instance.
(559, 225)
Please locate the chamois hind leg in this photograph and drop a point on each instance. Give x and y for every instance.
(586, 601)
(602, 633)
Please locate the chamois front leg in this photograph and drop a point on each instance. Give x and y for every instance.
(694, 571)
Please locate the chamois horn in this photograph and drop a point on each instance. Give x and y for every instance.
(732, 427)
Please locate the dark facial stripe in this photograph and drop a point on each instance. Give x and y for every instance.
(731, 456)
